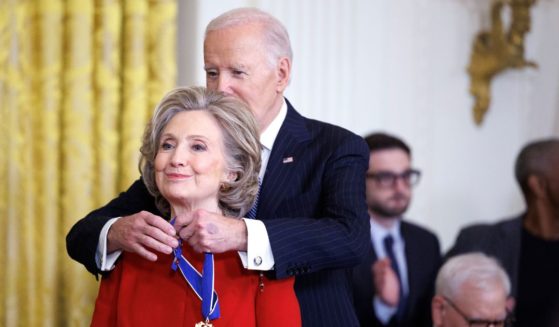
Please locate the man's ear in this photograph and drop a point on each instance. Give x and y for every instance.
(536, 184)
(437, 310)
(511, 303)
(283, 72)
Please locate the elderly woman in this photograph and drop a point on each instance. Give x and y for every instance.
(200, 152)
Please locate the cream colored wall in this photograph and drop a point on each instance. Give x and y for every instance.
(400, 66)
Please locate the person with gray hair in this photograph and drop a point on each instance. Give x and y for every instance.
(471, 290)
(200, 152)
(310, 218)
(276, 38)
(240, 145)
(527, 245)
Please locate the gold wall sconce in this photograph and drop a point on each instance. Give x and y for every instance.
(497, 49)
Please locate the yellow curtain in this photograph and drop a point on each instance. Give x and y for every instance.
(78, 80)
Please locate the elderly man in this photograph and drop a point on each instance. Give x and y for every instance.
(471, 290)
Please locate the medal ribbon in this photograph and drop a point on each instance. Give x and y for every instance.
(202, 284)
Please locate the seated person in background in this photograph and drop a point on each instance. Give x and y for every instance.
(200, 152)
(528, 245)
(471, 290)
(394, 284)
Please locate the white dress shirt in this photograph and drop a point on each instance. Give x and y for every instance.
(259, 254)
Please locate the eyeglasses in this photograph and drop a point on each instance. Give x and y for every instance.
(507, 322)
(388, 179)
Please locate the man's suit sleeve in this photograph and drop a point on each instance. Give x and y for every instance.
(469, 239)
(331, 232)
(82, 239)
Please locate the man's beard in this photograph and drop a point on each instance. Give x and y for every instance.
(389, 212)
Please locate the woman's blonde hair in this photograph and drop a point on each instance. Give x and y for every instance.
(240, 142)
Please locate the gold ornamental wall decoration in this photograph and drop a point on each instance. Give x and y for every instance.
(497, 49)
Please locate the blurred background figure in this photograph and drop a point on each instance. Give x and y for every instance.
(527, 245)
(394, 284)
(471, 290)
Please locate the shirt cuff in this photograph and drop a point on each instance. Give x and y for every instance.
(383, 311)
(259, 254)
(106, 262)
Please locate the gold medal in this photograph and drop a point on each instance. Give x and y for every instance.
(206, 323)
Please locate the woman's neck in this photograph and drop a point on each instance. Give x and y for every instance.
(178, 208)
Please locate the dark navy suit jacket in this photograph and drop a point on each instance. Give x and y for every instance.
(313, 206)
(423, 259)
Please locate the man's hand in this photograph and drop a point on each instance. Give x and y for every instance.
(210, 232)
(386, 282)
(140, 233)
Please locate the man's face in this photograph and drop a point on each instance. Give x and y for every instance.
(388, 200)
(471, 304)
(236, 62)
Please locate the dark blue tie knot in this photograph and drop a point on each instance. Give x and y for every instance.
(388, 243)
(389, 248)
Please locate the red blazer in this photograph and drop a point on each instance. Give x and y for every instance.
(143, 293)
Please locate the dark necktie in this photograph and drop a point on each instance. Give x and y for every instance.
(251, 214)
(389, 248)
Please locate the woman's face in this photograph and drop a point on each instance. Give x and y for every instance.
(190, 162)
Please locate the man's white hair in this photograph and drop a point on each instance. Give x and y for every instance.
(480, 271)
(276, 38)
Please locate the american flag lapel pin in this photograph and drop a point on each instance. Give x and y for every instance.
(287, 160)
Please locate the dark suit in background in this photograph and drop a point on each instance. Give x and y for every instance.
(423, 258)
(312, 202)
(500, 240)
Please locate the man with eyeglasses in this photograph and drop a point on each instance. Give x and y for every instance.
(393, 286)
(472, 290)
